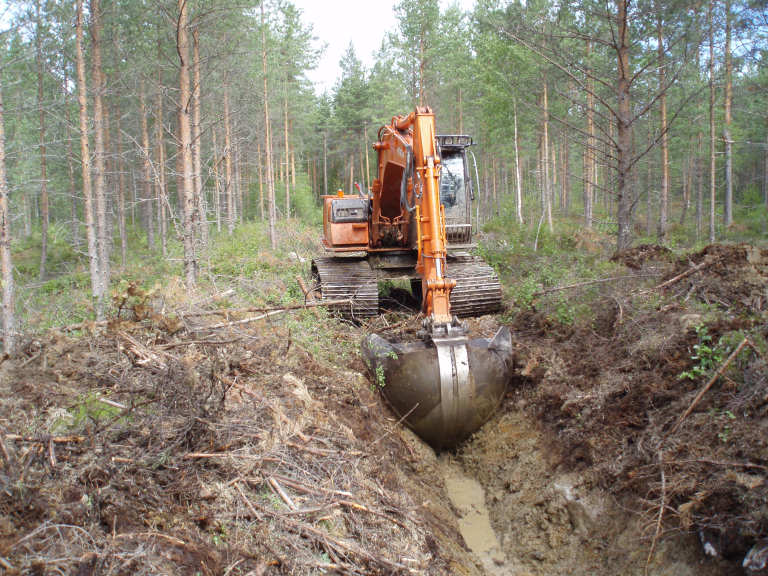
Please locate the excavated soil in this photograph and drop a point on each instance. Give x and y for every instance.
(155, 445)
(600, 431)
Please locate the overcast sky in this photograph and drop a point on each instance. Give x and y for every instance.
(336, 23)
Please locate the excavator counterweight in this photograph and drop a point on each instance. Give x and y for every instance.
(415, 223)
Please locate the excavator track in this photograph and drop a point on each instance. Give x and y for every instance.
(477, 291)
(347, 279)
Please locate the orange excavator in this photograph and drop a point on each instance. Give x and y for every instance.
(415, 223)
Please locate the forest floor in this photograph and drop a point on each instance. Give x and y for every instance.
(174, 440)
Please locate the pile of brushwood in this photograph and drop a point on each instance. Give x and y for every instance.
(161, 443)
(662, 396)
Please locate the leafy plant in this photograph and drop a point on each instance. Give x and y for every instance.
(707, 355)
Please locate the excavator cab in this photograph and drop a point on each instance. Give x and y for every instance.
(456, 192)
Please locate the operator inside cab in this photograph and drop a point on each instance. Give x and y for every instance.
(452, 181)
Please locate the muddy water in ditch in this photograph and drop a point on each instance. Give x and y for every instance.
(468, 499)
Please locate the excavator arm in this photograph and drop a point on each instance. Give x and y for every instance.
(446, 385)
(408, 152)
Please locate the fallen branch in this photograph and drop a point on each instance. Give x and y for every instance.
(143, 355)
(275, 485)
(590, 282)
(46, 439)
(679, 277)
(362, 508)
(307, 293)
(248, 503)
(312, 304)
(191, 342)
(316, 490)
(90, 324)
(708, 385)
(203, 455)
(214, 297)
(723, 463)
(240, 322)
(324, 538)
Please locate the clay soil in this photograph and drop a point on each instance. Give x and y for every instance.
(154, 445)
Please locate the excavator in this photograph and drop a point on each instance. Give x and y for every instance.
(415, 223)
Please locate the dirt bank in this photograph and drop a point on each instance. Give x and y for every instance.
(157, 446)
(611, 422)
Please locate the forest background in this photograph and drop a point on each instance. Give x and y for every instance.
(144, 138)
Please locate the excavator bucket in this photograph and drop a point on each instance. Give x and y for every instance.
(444, 389)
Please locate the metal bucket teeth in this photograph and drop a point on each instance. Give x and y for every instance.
(444, 389)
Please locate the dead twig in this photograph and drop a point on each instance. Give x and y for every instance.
(90, 324)
(204, 455)
(707, 386)
(241, 322)
(191, 342)
(30, 359)
(312, 304)
(723, 463)
(46, 439)
(316, 490)
(679, 277)
(308, 294)
(660, 517)
(591, 282)
(248, 503)
(275, 485)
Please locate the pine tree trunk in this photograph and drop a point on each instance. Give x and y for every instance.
(546, 190)
(185, 149)
(268, 138)
(765, 169)
(197, 150)
(589, 163)
(43, 169)
(664, 195)
(85, 157)
(6, 265)
(287, 148)
(99, 164)
(121, 190)
(687, 182)
(566, 176)
(216, 180)
(649, 183)
(711, 123)
(71, 166)
(494, 211)
(239, 181)
(146, 173)
(161, 196)
(261, 180)
(518, 180)
(228, 184)
(727, 119)
(699, 186)
(325, 164)
(624, 129)
(553, 178)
